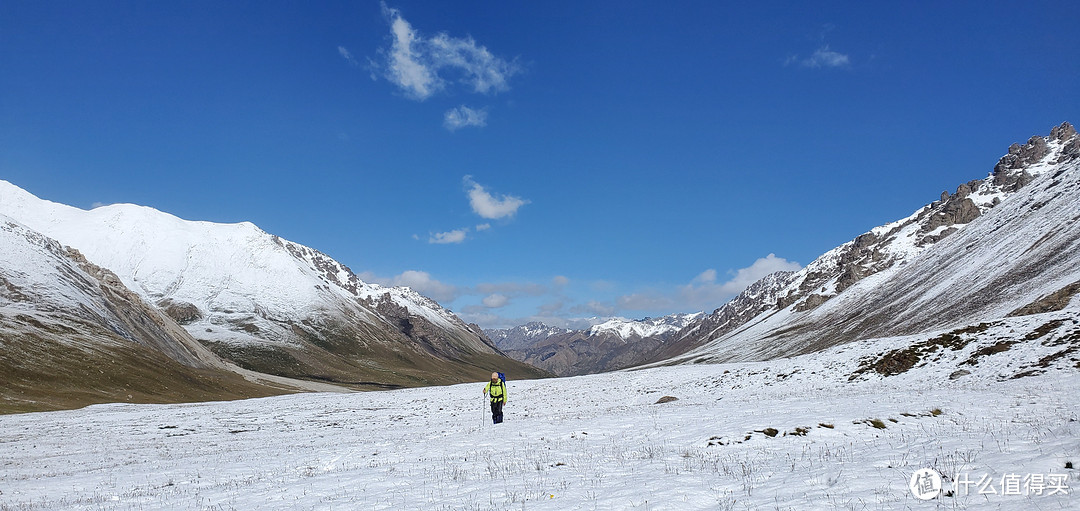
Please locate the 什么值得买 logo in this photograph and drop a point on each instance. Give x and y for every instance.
(925, 483)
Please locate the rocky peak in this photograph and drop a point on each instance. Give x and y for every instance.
(888, 246)
(1066, 135)
(1009, 173)
(627, 329)
(1063, 133)
(523, 335)
(1012, 171)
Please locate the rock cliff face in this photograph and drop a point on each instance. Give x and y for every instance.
(993, 246)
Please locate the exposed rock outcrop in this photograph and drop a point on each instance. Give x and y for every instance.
(891, 246)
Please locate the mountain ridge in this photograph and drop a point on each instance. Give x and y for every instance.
(267, 304)
(776, 315)
(72, 334)
(867, 258)
(605, 346)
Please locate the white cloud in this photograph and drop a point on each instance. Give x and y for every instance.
(494, 301)
(463, 116)
(443, 238)
(707, 276)
(488, 206)
(484, 204)
(485, 318)
(705, 292)
(645, 301)
(405, 66)
(421, 282)
(762, 267)
(823, 57)
(551, 308)
(594, 307)
(414, 62)
(482, 70)
(347, 55)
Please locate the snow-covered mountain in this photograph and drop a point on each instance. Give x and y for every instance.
(266, 303)
(628, 329)
(1002, 245)
(72, 334)
(612, 344)
(523, 336)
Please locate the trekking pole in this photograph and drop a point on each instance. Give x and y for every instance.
(483, 410)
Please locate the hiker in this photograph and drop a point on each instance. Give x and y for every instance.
(496, 389)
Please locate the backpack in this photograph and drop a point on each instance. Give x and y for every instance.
(502, 378)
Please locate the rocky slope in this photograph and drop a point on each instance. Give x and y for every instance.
(523, 336)
(268, 304)
(613, 344)
(1005, 244)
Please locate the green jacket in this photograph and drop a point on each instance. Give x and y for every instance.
(496, 390)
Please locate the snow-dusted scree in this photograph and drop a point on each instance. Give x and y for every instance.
(986, 406)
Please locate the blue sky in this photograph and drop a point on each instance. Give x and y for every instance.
(532, 160)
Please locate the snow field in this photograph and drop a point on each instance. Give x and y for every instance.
(589, 442)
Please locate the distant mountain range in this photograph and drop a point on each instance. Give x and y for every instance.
(613, 344)
(210, 297)
(1008, 244)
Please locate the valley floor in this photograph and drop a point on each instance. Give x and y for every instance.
(591, 442)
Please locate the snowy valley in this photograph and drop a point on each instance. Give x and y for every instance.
(991, 408)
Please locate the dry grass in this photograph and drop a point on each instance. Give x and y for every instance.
(41, 374)
(46, 367)
(901, 360)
